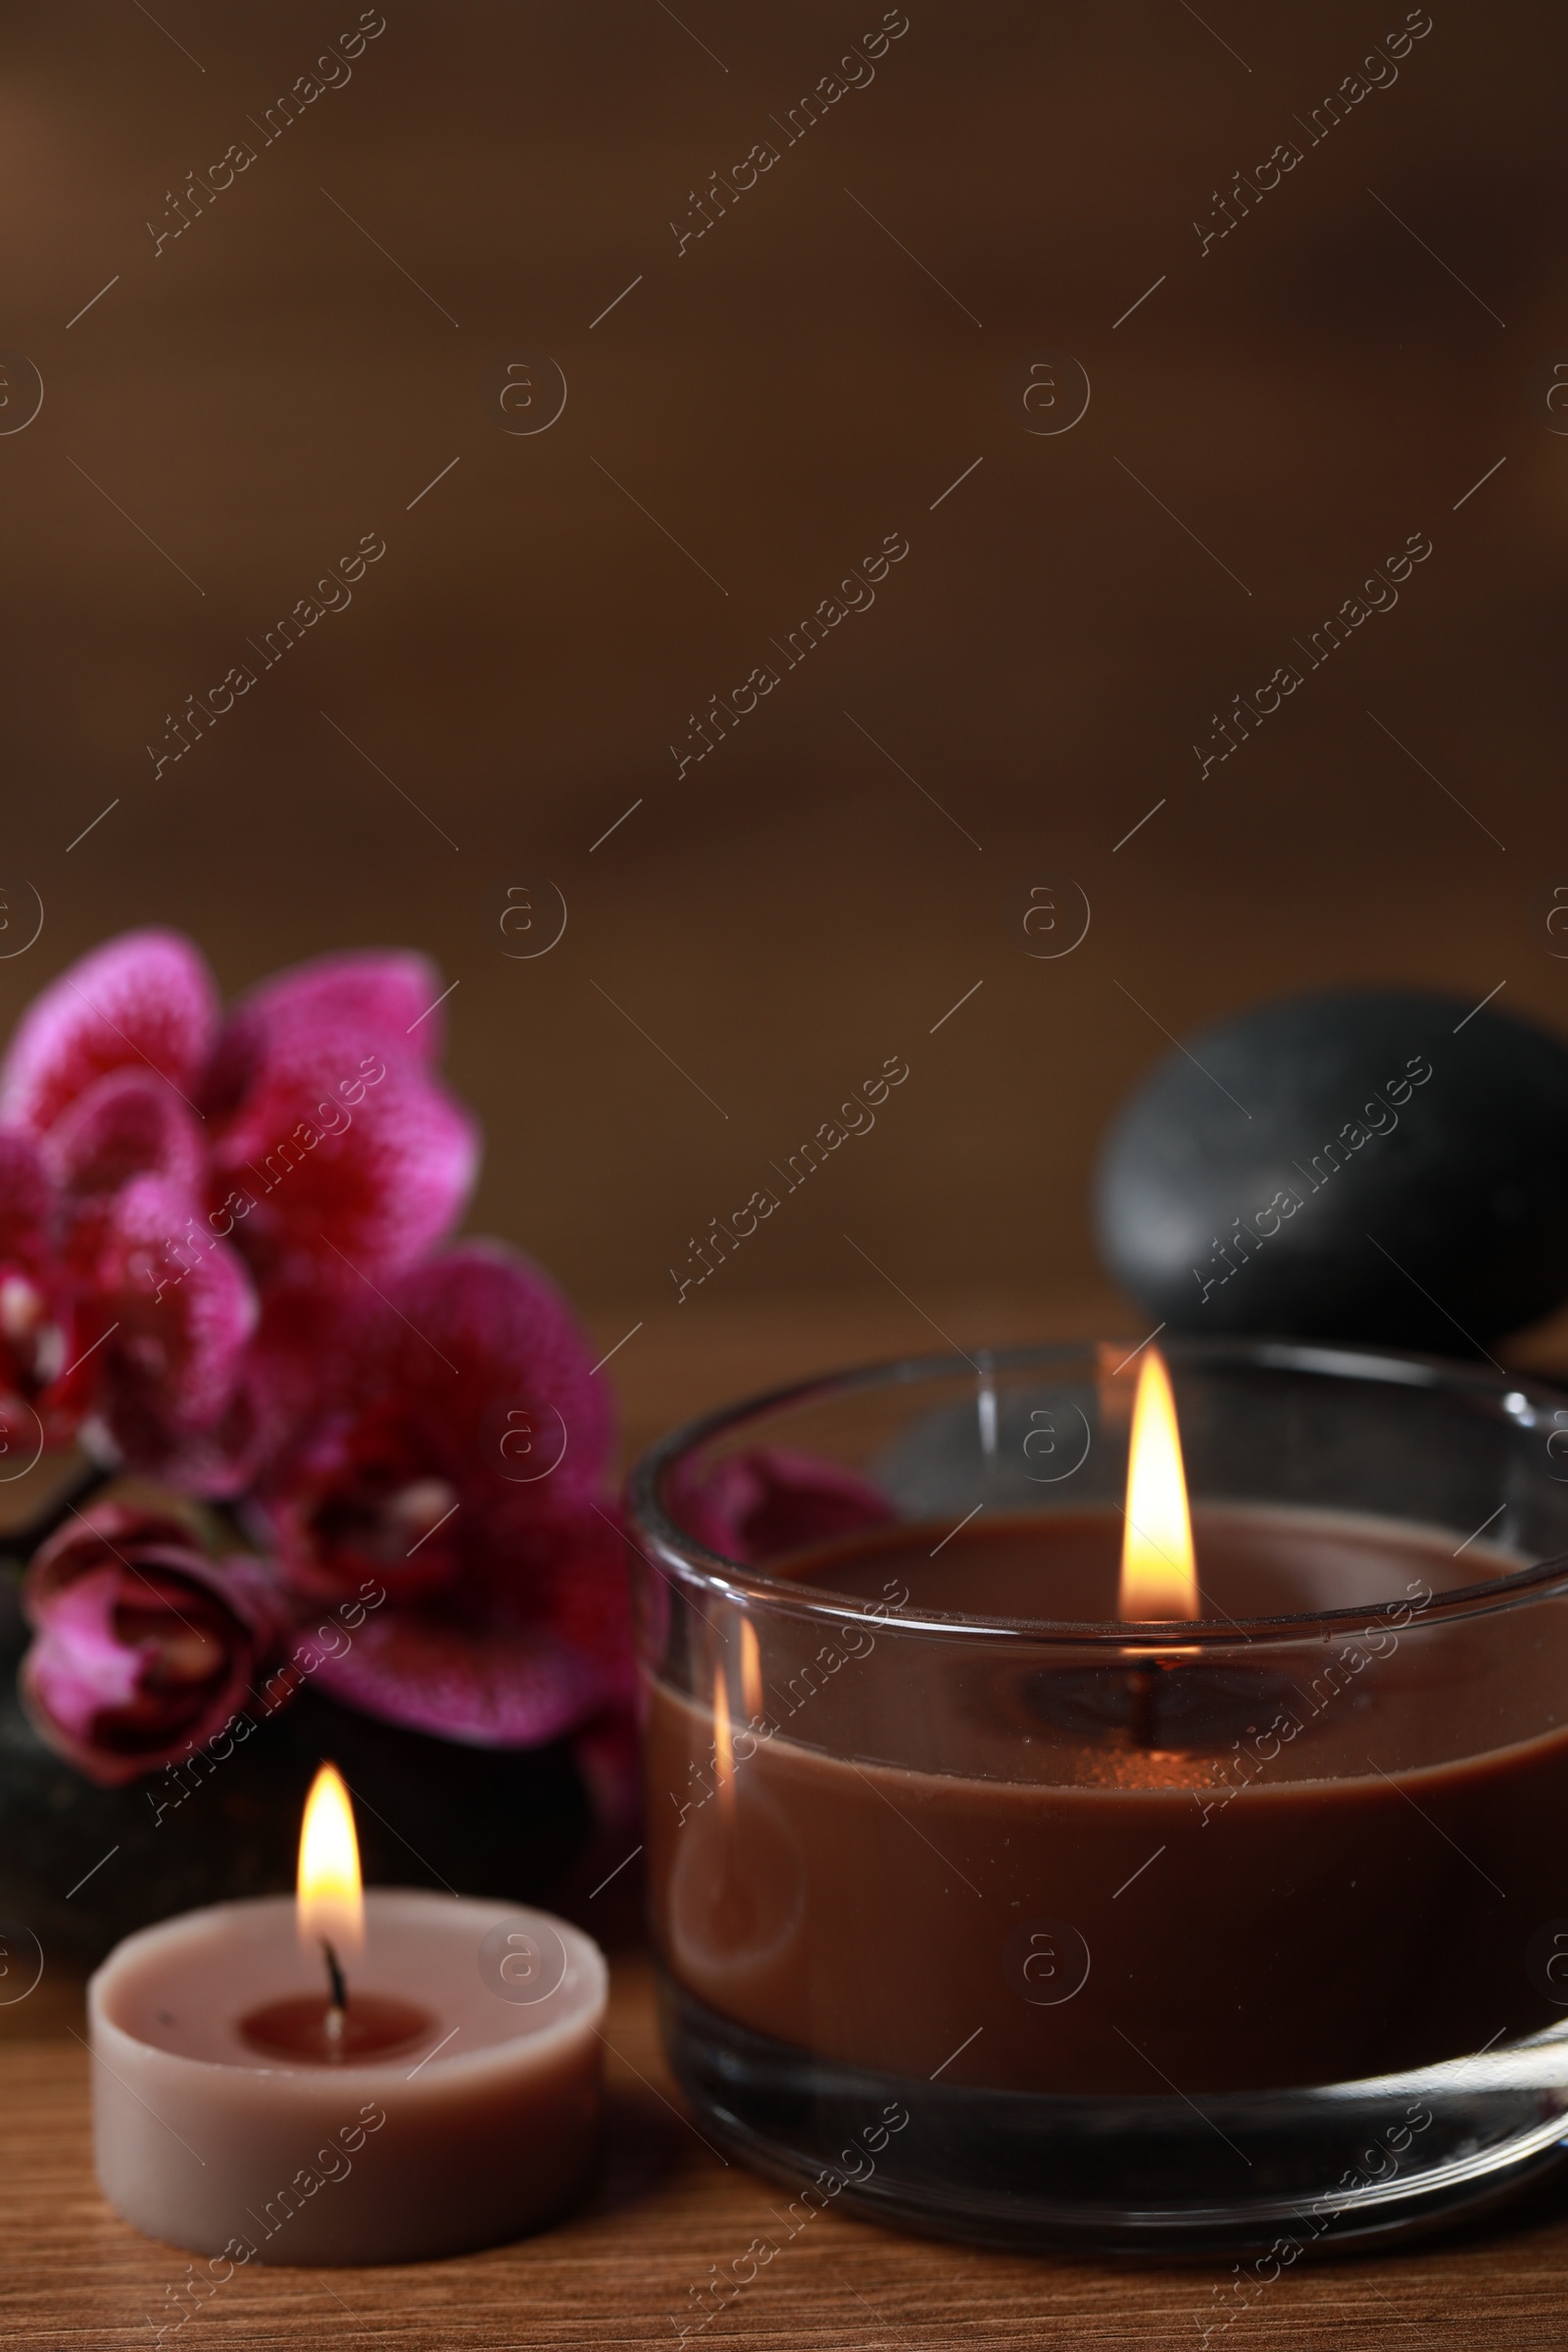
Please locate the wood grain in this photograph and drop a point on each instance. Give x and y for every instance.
(241, 405)
(666, 2210)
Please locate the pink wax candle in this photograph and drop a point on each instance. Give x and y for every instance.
(421, 2081)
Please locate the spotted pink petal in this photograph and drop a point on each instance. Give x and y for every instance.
(469, 1380)
(340, 1160)
(528, 1427)
(533, 1647)
(177, 1309)
(470, 1410)
(79, 1665)
(392, 998)
(468, 1679)
(127, 1123)
(533, 1644)
(26, 1202)
(290, 1370)
(144, 1000)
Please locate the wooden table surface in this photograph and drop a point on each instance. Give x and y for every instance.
(619, 2271)
(666, 2211)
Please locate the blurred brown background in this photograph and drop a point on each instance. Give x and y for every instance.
(333, 331)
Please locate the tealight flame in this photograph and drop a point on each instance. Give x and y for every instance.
(750, 1670)
(1158, 1575)
(331, 1906)
(723, 1749)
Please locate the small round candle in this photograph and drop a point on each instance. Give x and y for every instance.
(454, 2104)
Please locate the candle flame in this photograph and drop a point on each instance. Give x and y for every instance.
(750, 1670)
(723, 1749)
(330, 1904)
(1158, 1573)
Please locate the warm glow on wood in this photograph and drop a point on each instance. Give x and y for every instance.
(332, 1904)
(1158, 1575)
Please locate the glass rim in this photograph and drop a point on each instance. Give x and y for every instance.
(748, 1584)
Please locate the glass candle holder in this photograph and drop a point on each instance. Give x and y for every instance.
(990, 1914)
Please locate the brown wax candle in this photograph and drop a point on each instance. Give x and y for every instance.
(222, 2124)
(313, 2027)
(1303, 1863)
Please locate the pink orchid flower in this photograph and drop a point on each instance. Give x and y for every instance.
(216, 1263)
(218, 1189)
(463, 1464)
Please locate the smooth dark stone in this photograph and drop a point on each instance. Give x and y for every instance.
(1242, 1190)
(430, 1813)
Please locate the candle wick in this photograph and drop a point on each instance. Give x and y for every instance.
(339, 1994)
(1142, 1687)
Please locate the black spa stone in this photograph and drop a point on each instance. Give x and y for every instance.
(1376, 1166)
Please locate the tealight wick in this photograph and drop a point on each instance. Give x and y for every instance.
(339, 2001)
(1143, 1685)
